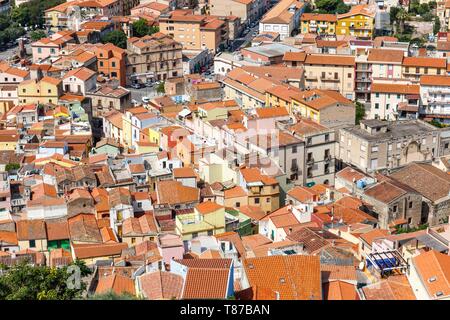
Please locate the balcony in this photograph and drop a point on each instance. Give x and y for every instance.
(327, 158)
(311, 77)
(360, 28)
(310, 161)
(329, 78)
(363, 80)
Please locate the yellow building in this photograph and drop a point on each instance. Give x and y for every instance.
(46, 90)
(195, 32)
(208, 219)
(358, 22)
(281, 96)
(326, 107)
(318, 23)
(216, 110)
(8, 141)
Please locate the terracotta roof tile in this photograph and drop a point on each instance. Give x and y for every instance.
(294, 277)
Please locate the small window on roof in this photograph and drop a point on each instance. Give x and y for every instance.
(282, 280)
(432, 279)
(439, 293)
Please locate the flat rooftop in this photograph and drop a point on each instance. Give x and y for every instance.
(395, 130)
(272, 50)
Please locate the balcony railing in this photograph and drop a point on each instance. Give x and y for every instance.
(328, 78)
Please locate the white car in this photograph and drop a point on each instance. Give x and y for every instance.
(145, 100)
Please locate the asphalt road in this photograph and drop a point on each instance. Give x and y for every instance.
(242, 42)
(137, 94)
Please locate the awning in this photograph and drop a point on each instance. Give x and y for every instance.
(184, 113)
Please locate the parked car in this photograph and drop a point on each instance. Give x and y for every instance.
(145, 100)
(149, 84)
(137, 85)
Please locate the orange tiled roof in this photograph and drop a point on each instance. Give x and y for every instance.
(425, 62)
(435, 80)
(208, 207)
(294, 277)
(433, 268)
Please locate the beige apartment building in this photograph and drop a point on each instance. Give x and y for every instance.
(414, 67)
(379, 145)
(196, 32)
(153, 58)
(238, 8)
(330, 72)
(319, 151)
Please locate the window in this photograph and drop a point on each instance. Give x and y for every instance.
(113, 64)
(410, 204)
(267, 200)
(133, 240)
(394, 208)
(194, 235)
(256, 200)
(210, 232)
(294, 149)
(377, 106)
(238, 204)
(101, 63)
(387, 106)
(374, 149)
(327, 137)
(32, 243)
(309, 141)
(377, 95)
(373, 163)
(139, 204)
(349, 75)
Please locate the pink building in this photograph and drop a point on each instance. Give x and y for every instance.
(171, 247)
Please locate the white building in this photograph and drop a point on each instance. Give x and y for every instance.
(394, 101)
(282, 18)
(435, 97)
(80, 81)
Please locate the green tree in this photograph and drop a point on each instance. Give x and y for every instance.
(12, 166)
(160, 88)
(437, 25)
(113, 296)
(153, 29)
(332, 6)
(360, 112)
(117, 38)
(140, 28)
(401, 17)
(37, 35)
(26, 282)
(393, 14)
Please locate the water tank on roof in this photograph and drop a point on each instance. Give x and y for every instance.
(360, 184)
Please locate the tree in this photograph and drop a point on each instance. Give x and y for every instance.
(27, 282)
(12, 166)
(113, 296)
(401, 17)
(332, 6)
(437, 25)
(140, 28)
(117, 38)
(153, 29)
(32, 13)
(37, 35)
(360, 112)
(160, 88)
